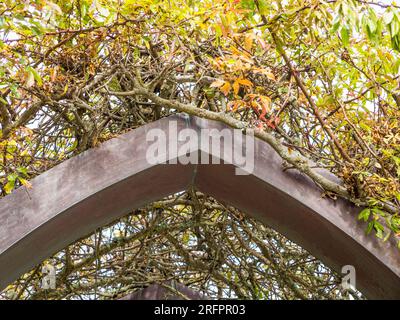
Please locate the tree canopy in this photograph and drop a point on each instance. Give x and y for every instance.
(315, 79)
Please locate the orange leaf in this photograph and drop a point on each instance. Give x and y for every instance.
(226, 88)
(245, 82)
(53, 74)
(232, 105)
(236, 86)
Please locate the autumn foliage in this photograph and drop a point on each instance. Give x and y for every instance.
(322, 77)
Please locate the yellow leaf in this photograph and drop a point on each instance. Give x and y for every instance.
(302, 98)
(186, 238)
(271, 76)
(266, 102)
(255, 104)
(25, 183)
(9, 186)
(24, 153)
(248, 42)
(65, 89)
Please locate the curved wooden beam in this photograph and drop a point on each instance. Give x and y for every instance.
(100, 185)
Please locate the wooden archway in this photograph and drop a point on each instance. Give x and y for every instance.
(96, 187)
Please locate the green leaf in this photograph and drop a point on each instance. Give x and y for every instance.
(364, 214)
(12, 177)
(365, 127)
(396, 42)
(345, 34)
(36, 75)
(369, 227)
(387, 236)
(379, 212)
(22, 170)
(388, 17)
(378, 229)
(395, 223)
(372, 25)
(336, 24)
(84, 9)
(394, 27)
